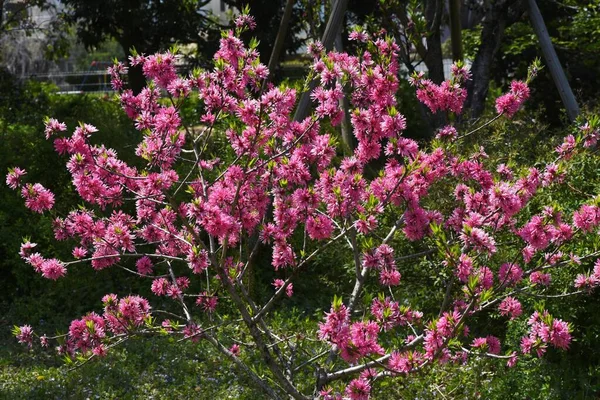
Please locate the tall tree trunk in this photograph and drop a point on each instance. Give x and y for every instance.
(497, 17)
(2, 16)
(430, 52)
(281, 35)
(556, 70)
(136, 79)
(433, 59)
(348, 138)
(334, 25)
(434, 10)
(135, 76)
(456, 30)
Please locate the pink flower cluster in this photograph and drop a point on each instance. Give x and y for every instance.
(509, 103)
(13, 178)
(383, 260)
(490, 344)
(37, 198)
(542, 230)
(354, 341)
(24, 335)
(586, 218)
(389, 314)
(164, 287)
(289, 289)
(49, 268)
(448, 96)
(403, 363)
(544, 330)
(90, 334)
(510, 307)
(589, 281)
(207, 302)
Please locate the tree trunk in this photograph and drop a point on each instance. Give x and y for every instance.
(334, 25)
(280, 40)
(456, 30)
(497, 17)
(556, 70)
(433, 57)
(2, 16)
(348, 138)
(136, 79)
(135, 76)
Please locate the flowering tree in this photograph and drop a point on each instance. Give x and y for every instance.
(189, 219)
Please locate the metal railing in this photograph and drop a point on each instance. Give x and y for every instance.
(76, 82)
(98, 81)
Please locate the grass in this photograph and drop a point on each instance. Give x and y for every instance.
(156, 368)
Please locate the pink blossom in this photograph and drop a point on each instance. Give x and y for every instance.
(586, 218)
(448, 96)
(198, 260)
(511, 102)
(26, 248)
(416, 223)
(486, 278)
(587, 282)
(336, 328)
(192, 331)
(99, 351)
(359, 36)
(510, 307)
(596, 272)
(545, 330)
(510, 274)
(53, 269)
(245, 21)
(400, 362)
(479, 240)
(366, 225)
(540, 278)
(144, 265)
(447, 133)
(512, 361)
(24, 335)
(464, 268)
(315, 48)
(504, 171)
(160, 68)
(289, 289)
(207, 302)
(235, 350)
(37, 198)
(13, 178)
(491, 344)
(565, 150)
(80, 252)
(53, 126)
(358, 389)
(319, 227)
(363, 341)
(536, 233)
(160, 286)
(560, 335)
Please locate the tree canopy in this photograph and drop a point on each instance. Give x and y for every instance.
(146, 26)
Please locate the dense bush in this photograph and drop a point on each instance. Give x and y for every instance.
(263, 189)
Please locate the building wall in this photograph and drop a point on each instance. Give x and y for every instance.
(217, 7)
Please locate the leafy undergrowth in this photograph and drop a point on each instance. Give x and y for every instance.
(155, 368)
